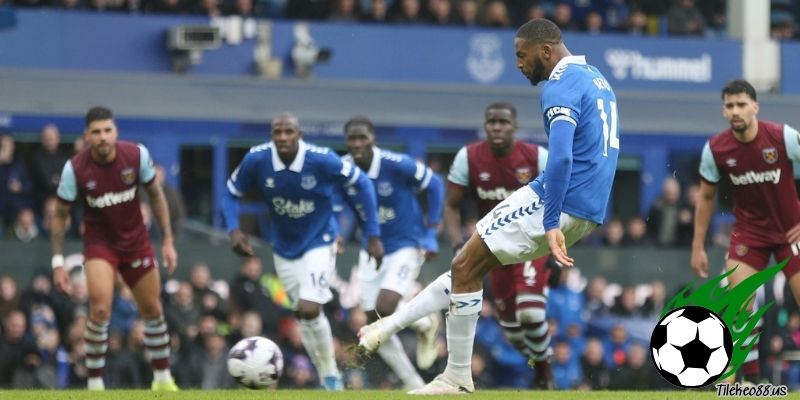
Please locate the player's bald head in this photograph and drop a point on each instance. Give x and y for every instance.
(286, 118)
(540, 30)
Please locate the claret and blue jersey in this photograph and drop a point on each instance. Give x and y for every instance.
(580, 119)
(299, 196)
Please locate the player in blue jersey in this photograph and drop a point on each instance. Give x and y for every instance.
(562, 205)
(298, 180)
(408, 237)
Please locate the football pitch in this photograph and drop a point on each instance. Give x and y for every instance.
(352, 395)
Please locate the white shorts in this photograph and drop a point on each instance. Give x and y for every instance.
(398, 273)
(308, 277)
(514, 229)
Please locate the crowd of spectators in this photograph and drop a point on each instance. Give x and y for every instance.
(600, 330)
(636, 17)
(600, 334)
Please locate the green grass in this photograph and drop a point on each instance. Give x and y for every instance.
(350, 395)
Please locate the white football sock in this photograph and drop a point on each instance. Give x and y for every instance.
(95, 383)
(396, 358)
(435, 297)
(318, 341)
(461, 322)
(162, 375)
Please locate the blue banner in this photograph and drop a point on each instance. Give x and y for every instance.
(790, 59)
(486, 57)
(115, 42)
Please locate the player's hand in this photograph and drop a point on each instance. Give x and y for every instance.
(240, 244)
(375, 250)
(794, 234)
(339, 245)
(61, 280)
(558, 247)
(169, 256)
(700, 262)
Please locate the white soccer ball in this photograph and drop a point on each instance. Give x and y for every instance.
(691, 347)
(255, 362)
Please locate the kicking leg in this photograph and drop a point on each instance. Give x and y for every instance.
(391, 351)
(468, 269)
(434, 298)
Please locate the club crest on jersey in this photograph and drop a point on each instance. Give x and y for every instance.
(385, 189)
(485, 176)
(741, 250)
(770, 155)
(128, 176)
(524, 175)
(308, 182)
(270, 183)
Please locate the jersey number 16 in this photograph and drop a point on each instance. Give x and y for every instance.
(610, 136)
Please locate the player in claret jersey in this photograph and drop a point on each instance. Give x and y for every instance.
(755, 157)
(105, 177)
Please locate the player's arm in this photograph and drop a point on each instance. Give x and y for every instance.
(348, 175)
(457, 181)
(704, 209)
(556, 181)
(792, 139)
(435, 199)
(237, 186)
(147, 176)
(424, 179)
(67, 192)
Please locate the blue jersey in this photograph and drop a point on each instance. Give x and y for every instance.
(579, 94)
(398, 179)
(299, 196)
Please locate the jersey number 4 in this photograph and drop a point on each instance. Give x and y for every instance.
(610, 135)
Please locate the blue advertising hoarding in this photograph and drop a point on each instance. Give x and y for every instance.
(114, 42)
(790, 59)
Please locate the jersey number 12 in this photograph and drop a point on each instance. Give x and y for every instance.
(610, 136)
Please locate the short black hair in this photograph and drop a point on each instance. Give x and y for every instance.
(98, 114)
(738, 86)
(502, 105)
(540, 30)
(359, 121)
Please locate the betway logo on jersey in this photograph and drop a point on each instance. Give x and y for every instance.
(386, 214)
(749, 177)
(292, 209)
(494, 194)
(111, 199)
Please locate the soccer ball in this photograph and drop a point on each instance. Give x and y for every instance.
(691, 347)
(255, 362)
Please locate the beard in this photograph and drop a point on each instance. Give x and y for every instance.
(537, 73)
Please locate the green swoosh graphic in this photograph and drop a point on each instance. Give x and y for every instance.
(731, 305)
